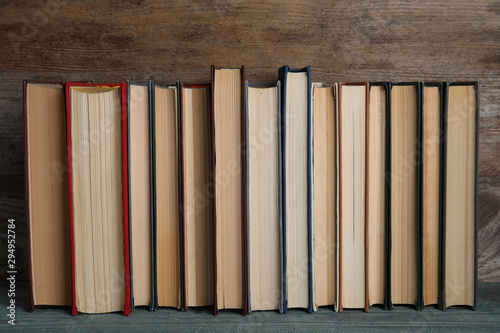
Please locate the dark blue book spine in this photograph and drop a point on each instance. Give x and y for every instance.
(282, 76)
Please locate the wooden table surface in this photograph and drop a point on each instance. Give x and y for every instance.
(400, 319)
(168, 41)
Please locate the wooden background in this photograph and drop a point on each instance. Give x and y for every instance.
(107, 41)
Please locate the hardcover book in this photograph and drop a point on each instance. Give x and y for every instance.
(353, 110)
(263, 195)
(251, 197)
(431, 146)
(166, 218)
(460, 206)
(296, 151)
(377, 194)
(47, 207)
(229, 208)
(96, 118)
(194, 143)
(324, 195)
(405, 195)
(139, 193)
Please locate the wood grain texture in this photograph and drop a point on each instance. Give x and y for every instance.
(485, 319)
(344, 40)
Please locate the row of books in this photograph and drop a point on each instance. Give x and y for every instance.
(252, 197)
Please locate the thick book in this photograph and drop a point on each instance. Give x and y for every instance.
(431, 159)
(263, 196)
(405, 237)
(47, 206)
(167, 266)
(324, 106)
(96, 116)
(139, 195)
(377, 194)
(460, 194)
(229, 205)
(353, 110)
(295, 154)
(196, 218)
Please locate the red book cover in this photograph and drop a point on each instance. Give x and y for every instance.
(124, 176)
